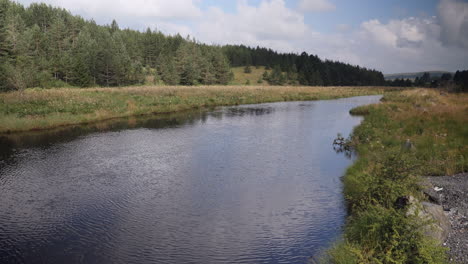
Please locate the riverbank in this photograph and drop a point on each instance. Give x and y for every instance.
(412, 133)
(38, 109)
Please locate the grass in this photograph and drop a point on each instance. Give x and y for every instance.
(36, 109)
(242, 78)
(437, 127)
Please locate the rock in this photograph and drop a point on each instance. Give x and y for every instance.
(441, 227)
(432, 195)
(408, 145)
(438, 226)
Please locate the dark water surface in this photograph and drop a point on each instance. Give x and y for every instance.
(247, 184)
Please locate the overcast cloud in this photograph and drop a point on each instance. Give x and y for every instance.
(396, 45)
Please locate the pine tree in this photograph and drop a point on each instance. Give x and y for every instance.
(276, 77)
(4, 47)
(315, 79)
(265, 76)
(84, 55)
(425, 79)
(168, 71)
(114, 27)
(187, 63)
(292, 75)
(59, 44)
(222, 70)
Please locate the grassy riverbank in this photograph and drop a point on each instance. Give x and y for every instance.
(412, 133)
(35, 109)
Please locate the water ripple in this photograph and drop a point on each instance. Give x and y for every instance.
(247, 184)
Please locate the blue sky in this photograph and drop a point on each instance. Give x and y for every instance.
(390, 36)
(351, 13)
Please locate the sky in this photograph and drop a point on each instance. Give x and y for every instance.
(391, 36)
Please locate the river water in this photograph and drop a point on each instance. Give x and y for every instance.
(244, 184)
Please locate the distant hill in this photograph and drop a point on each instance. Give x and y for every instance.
(413, 75)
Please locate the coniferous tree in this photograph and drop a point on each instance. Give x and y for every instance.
(223, 73)
(187, 63)
(292, 75)
(461, 80)
(168, 72)
(84, 60)
(265, 76)
(5, 50)
(276, 76)
(207, 74)
(446, 77)
(425, 79)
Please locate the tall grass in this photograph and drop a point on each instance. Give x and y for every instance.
(35, 109)
(436, 129)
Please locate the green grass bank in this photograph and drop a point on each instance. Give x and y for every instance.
(36, 109)
(412, 133)
(252, 78)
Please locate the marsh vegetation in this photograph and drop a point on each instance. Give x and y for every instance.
(377, 230)
(35, 109)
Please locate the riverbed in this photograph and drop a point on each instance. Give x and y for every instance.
(244, 184)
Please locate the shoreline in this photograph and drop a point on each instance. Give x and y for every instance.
(36, 110)
(410, 134)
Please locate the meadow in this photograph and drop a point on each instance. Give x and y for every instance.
(255, 77)
(37, 109)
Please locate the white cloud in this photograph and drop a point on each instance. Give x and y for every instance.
(269, 24)
(120, 9)
(453, 16)
(316, 5)
(343, 27)
(405, 33)
(173, 9)
(411, 44)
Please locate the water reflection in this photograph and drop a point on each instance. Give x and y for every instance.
(252, 111)
(247, 184)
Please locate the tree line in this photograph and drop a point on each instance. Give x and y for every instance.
(303, 69)
(457, 82)
(44, 46)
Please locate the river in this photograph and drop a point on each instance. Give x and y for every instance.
(244, 184)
